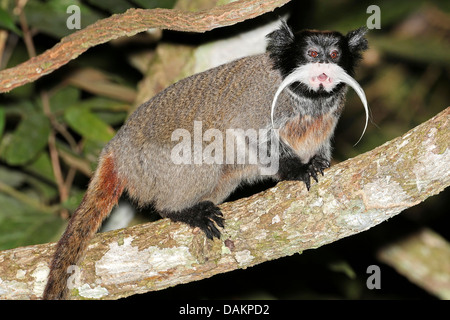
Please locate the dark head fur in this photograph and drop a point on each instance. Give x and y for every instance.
(289, 50)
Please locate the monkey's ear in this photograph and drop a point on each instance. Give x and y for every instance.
(280, 39)
(356, 40)
(278, 46)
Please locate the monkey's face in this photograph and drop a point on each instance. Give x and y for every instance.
(321, 55)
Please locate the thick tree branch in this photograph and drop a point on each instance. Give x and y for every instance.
(353, 196)
(128, 24)
(423, 258)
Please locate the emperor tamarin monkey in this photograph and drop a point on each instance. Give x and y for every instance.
(296, 90)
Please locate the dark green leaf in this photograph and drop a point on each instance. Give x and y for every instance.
(21, 225)
(88, 124)
(6, 22)
(51, 16)
(12, 177)
(42, 167)
(110, 111)
(28, 140)
(64, 98)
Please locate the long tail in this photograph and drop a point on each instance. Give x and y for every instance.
(102, 194)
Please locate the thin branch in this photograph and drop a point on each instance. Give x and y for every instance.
(28, 38)
(54, 157)
(24, 198)
(130, 23)
(352, 197)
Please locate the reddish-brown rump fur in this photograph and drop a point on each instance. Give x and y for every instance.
(103, 193)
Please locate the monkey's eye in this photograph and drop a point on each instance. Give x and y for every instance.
(313, 53)
(334, 54)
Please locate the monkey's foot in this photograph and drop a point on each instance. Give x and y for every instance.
(204, 215)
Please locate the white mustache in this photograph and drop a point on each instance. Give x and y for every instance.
(335, 72)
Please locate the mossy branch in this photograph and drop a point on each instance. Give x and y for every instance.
(353, 196)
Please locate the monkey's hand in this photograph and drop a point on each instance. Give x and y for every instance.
(316, 164)
(292, 168)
